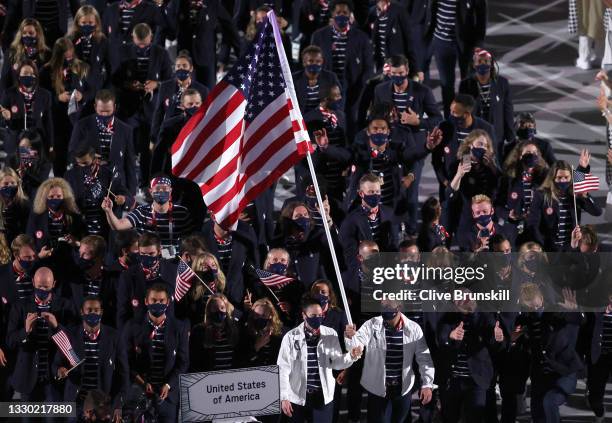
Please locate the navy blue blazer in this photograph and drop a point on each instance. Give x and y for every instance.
(112, 364)
(244, 250)
(470, 23)
(132, 288)
(38, 228)
(25, 375)
(121, 155)
(136, 345)
(326, 80)
(501, 112)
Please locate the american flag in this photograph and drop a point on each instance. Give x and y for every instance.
(585, 182)
(184, 276)
(63, 343)
(248, 132)
(272, 280)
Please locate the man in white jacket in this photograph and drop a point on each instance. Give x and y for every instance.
(393, 342)
(306, 358)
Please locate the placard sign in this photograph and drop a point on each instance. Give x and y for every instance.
(227, 394)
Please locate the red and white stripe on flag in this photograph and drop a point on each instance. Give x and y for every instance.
(247, 133)
(184, 276)
(585, 182)
(63, 343)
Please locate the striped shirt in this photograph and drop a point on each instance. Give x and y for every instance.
(168, 226)
(126, 15)
(142, 66)
(42, 343)
(47, 13)
(400, 101)
(606, 334)
(394, 358)
(564, 228)
(105, 139)
(91, 365)
(28, 102)
(24, 286)
(461, 368)
(313, 379)
(223, 352)
(92, 287)
(382, 168)
(92, 213)
(445, 20)
(83, 47)
(10, 216)
(375, 226)
(158, 354)
(527, 184)
(56, 227)
(339, 44)
(312, 97)
(485, 100)
(381, 37)
(535, 334)
(462, 133)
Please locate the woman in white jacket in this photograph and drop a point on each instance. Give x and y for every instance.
(393, 342)
(307, 356)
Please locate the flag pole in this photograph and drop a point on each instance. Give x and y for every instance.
(297, 115)
(196, 275)
(574, 194)
(70, 369)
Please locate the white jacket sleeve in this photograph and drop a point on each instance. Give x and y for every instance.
(361, 337)
(284, 368)
(338, 360)
(423, 359)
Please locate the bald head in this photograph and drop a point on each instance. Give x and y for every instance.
(43, 278)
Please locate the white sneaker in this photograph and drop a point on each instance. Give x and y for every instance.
(583, 64)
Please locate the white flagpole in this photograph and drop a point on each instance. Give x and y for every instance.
(574, 194)
(297, 115)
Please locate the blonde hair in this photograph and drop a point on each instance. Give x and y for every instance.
(5, 251)
(83, 11)
(277, 326)
(529, 291)
(273, 251)
(199, 264)
(40, 201)
(548, 187)
(56, 64)
(481, 198)
(228, 324)
(512, 165)
(17, 50)
(532, 249)
(466, 145)
(21, 196)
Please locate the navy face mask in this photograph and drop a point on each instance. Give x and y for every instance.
(87, 30)
(260, 323)
(303, 223)
(398, 79)
(157, 309)
(341, 21)
(209, 275)
(83, 263)
(529, 159)
(26, 264)
(314, 322)
(27, 81)
(372, 200)
(104, 120)
(182, 74)
(147, 262)
(379, 139)
(161, 197)
(478, 152)
(55, 203)
(41, 294)
(526, 133)
(457, 120)
(562, 186)
(484, 219)
(92, 319)
(218, 316)
(143, 51)
(482, 70)
(388, 314)
(334, 105)
(278, 268)
(314, 69)
(323, 299)
(190, 111)
(8, 192)
(29, 41)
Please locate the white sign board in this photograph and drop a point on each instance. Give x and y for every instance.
(227, 394)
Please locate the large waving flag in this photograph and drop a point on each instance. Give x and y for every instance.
(248, 132)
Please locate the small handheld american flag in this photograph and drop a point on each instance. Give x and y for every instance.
(272, 280)
(63, 343)
(585, 182)
(184, 276)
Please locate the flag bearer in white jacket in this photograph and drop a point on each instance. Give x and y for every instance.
(392, 342)
(307, 356)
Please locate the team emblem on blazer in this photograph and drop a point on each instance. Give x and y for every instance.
(447, 150)
(14, 109)
(514, 195)
(549, 211)
(39, 234)
(134, 302)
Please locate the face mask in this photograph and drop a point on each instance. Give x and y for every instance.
(41, 294)
(539, 312)
(303, 223)
(314, 69)
(27, 81)
(260, 323)
(82, 263)
(398, 79)
(484, 219)
(147, 262)
(29, 41)
(68, 63)
(508, 259)
(104, 120)
(532, 265)
(482, 70)
(8, 192)
(341, 21)
(388, 314)
(190, 111)
(218, 316)
(457, 120)
(55, 203)
(334, 105)
(323, 300)
(142, 51)
(26, 265)
(314, 322)
(157, 309)
(562, 186)
(161, 197)
(182, 74)
(92, 319)
(526, 133)
(372, 200)
(209, 275)
(529, 159)
(379, 139)
(478, 152)
(87, 30)
(132, 258)
(278, 268)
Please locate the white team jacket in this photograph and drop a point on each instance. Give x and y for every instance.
(293, 366)
(371, 335)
